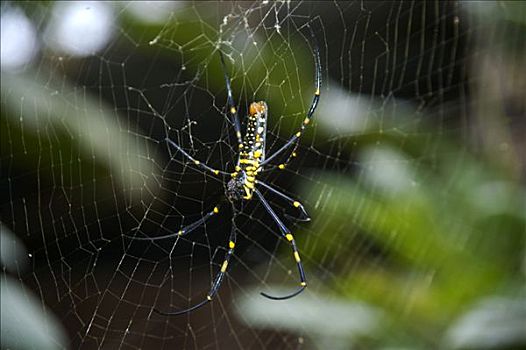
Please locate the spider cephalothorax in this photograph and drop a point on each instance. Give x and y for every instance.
(234, 189)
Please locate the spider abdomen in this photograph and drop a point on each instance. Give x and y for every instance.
(252, 151)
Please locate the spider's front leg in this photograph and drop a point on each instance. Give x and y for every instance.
(294, 140)
(195, 161)
(232, 110)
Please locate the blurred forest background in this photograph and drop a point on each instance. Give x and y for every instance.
(413, 172)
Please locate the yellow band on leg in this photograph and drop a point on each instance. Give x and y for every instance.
(297, 256)
(225, 264)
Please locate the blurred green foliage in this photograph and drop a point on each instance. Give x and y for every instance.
(443, 236)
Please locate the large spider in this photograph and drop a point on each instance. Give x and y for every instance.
(243, 183)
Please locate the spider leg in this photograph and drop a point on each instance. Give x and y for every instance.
(285, 233)
(182, 232)
(217, 280)
(195, 161)
(231, 104)
(314, 104)
(295, 203)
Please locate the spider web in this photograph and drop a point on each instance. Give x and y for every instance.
(85, 163)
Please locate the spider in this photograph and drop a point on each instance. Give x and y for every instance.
(243, 183)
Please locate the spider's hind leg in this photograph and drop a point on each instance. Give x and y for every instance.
(218, 280)
(303, 213)
(287, 235)
(183, 231)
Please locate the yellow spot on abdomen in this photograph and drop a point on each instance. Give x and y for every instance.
(248, 193)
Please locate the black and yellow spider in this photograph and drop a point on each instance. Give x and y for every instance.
(243, 183)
